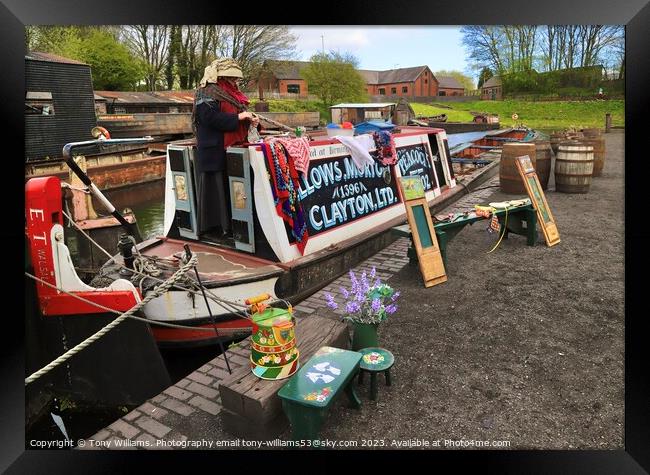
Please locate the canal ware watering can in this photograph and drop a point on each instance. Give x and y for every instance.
(274, 354)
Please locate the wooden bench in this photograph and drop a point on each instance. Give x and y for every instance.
(445, 232)
(312, 390)
(251, 406)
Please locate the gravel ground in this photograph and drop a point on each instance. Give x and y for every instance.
(523, 345)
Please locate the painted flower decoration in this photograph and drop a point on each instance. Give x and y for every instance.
(365, 302)
(373, 358)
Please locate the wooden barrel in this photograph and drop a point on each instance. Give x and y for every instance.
(509, 178)
(598, 143)
(590, 133)
(574, 166)
(543, 160)
(556, 138)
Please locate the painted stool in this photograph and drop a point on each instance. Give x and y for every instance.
(310, 392)
(375, 360)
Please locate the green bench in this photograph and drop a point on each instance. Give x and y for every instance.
(309, 393)
(517, 217)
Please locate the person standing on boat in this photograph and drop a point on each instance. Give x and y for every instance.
(219, 120)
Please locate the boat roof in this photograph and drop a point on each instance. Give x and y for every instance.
(368, 105)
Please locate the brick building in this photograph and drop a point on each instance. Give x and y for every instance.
(492, 89)
(449, 86)
(417, 81)
(283, 78)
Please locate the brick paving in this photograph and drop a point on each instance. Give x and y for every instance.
(188, 408)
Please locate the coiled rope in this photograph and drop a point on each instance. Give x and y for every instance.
(93, 338)
(227, 305)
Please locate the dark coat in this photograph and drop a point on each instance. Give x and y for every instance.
(211, 123)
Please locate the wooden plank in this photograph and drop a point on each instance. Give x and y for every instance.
(424, 234)
(255, 399)
(537, 197)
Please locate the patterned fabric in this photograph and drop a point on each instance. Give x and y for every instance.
(298, 150)
(385, 145)
(285, 186)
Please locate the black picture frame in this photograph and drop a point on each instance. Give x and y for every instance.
(635, 14)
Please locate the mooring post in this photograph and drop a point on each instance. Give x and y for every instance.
(608, 122)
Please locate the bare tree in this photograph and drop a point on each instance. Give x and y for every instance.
(484, 43)
(150, 43)
(250, 45)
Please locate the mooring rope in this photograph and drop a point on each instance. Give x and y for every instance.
(226, 304)
(91, 339)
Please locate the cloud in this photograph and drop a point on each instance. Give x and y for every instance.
(348, 39)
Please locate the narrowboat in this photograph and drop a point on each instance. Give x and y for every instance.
(344, 212)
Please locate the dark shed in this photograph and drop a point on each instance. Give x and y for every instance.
(59, 104)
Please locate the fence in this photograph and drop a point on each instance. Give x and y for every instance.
(278, 95)
(426, 99)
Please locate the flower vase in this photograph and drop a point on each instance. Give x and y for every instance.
(364, 336)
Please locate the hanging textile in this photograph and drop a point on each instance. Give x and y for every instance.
(285, 186)
(298, 150)
(385, 145)
(359, 147)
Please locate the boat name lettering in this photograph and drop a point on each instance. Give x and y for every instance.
(414, 161)
(326, 216)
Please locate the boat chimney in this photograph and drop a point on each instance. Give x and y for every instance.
(125, 246)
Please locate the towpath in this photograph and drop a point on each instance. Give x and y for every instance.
(523, 346)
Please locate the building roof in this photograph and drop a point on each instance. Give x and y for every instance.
(286, 69)
(158, 97)
(366, 105)
(493, 81)
(392, 75)
(449, 82)
(51, 58)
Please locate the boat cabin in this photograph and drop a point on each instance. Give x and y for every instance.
(338, 200)
(362, 112)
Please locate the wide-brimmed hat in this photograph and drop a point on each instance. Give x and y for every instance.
(222, 67)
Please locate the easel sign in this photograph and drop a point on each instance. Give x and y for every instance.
(422, 231)
(536, 195)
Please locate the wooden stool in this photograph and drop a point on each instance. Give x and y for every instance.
(309, 393)
(375, 360)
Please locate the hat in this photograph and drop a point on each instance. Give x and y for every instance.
(222, 67)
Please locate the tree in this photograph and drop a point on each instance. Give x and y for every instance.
(485, 74)
(250, 45)
(149, 43)
(113, 67)
(463, 79)
(333, 78)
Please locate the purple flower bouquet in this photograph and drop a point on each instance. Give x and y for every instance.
(366, 303)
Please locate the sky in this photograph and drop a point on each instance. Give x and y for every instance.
(387, 47)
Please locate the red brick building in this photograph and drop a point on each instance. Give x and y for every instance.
(492, 89)
(407, 82)
(449, 86)
(282, 77)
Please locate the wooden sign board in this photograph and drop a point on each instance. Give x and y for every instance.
(536, 195)
(423, 232)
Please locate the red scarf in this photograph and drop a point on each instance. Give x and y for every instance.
(240, 134)
(233, 90)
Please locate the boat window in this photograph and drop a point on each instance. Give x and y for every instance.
(293, 88)
(39, 103)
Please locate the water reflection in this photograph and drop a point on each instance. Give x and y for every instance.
(147, 200)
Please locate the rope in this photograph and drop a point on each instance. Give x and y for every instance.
(505, 224)
(230, 306)
(73, 351)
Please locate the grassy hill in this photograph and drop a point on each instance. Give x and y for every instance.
(549, 115)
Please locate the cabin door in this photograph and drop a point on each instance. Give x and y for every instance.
(241, 198)
(181, 165)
